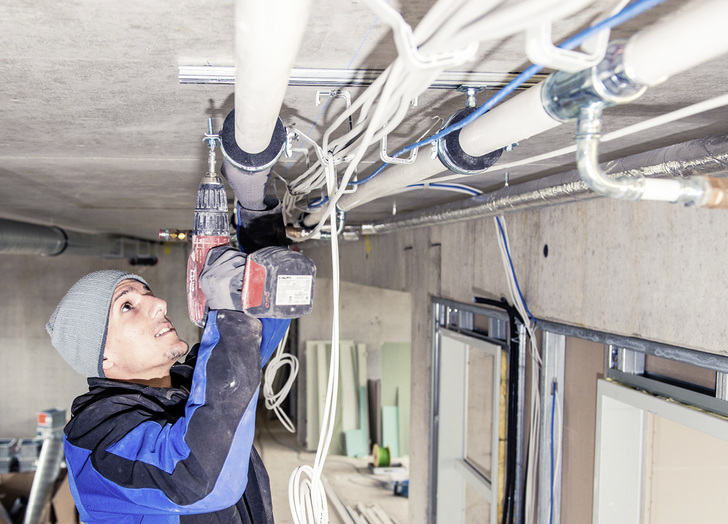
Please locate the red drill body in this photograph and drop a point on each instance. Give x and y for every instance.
(210, 229)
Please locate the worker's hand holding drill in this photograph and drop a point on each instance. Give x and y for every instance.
(221, 279)
(272, 282)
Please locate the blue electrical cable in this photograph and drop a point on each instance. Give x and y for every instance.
(318, 203)
(625, 14)
(448, 186)
(513, 271)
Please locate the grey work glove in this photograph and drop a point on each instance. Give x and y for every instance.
(221, 280)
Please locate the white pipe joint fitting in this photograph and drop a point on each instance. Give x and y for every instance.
(607, 84)
(251, 162)
(451, 153)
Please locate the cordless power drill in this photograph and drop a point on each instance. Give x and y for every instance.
(277, 283)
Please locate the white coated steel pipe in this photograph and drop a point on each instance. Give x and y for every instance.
(514, 120)
(688, 37)
(267, 38)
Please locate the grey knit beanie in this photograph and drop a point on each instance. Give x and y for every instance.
(78, 325)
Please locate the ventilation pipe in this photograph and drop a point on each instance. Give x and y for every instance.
(49, 466)
(691, 36)
(701, 157)
(267, 38)
(23, 238)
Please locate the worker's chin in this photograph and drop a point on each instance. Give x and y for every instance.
(177, 351)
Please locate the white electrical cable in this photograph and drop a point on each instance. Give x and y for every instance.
(536, 364)
(274, 400)
(306, 494)
(558, 443)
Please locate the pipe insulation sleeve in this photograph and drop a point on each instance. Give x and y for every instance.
(693, 34)
(505, 123)
(267, 38)
(694, 190)
(647, 61)
(701, 157)
(393, 179)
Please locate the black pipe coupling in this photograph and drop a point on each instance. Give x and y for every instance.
(452, 155)
(252, 162)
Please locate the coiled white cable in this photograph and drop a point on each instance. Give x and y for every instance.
(274, 400)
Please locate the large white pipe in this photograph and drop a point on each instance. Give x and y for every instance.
(692, 36)
(688, 37)
(516, 119)
(267, 38)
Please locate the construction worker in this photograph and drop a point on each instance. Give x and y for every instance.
(155, 440)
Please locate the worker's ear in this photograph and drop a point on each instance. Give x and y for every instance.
(107, 364)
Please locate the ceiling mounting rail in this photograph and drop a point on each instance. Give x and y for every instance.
(335, 78)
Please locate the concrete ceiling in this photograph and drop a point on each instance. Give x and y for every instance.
(99, 135)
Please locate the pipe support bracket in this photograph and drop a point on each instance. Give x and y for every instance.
(252, 162)
(564, 94)
(451, 153)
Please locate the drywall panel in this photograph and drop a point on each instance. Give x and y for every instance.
(583, 366)
(688, 476)
(369, 315)
(396, 386)
(33, 376)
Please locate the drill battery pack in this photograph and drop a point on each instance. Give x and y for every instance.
(278, 283)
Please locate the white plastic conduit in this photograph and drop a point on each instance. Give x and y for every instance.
(651, 56)
(267, 37)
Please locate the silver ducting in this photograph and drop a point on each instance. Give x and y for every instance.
(49, 463)
(23, 238)
(706, 156)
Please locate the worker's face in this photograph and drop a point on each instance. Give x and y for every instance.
(141, 342)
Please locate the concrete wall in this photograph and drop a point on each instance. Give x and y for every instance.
(33, 376)
(649, 270)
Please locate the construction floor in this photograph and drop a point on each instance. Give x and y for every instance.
(349, 477)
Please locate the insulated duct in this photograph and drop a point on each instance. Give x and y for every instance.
(49, 466)
(23, 238)
(705, 156)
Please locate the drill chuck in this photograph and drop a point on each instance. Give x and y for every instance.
(211, 210)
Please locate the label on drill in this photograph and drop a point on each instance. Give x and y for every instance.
(294, 290)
